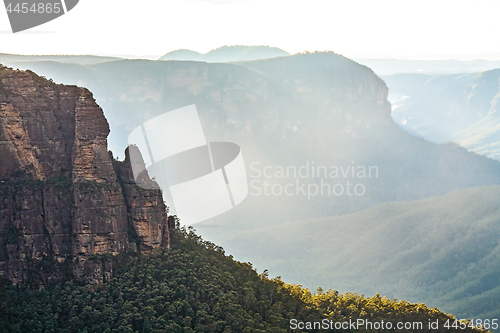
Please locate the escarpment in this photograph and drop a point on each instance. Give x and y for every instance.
(63, 199)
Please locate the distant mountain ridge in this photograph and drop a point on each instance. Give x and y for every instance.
(463, 108)
(227, 54)
(429, 67)
(76, 59)
(316, 106)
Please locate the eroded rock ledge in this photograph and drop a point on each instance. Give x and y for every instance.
(63, 199)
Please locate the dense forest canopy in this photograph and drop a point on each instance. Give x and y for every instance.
(195, 287)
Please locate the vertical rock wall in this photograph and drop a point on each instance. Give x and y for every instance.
(61, 199)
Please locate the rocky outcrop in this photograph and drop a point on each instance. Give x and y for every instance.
(63, 199)
(146, 210)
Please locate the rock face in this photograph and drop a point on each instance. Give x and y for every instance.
(149, 226)
(62, 197)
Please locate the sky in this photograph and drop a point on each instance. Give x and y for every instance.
(423, 29)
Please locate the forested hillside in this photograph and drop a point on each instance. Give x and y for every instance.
(442, 251)
(194, 287)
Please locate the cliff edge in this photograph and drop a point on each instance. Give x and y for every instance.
(63, 199)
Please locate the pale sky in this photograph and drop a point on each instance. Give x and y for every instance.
(423, 29)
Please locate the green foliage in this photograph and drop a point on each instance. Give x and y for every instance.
(193, 287)
(442, 251)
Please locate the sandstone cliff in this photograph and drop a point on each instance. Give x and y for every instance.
(62, 197)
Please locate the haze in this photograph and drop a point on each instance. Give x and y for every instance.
(358, 29)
